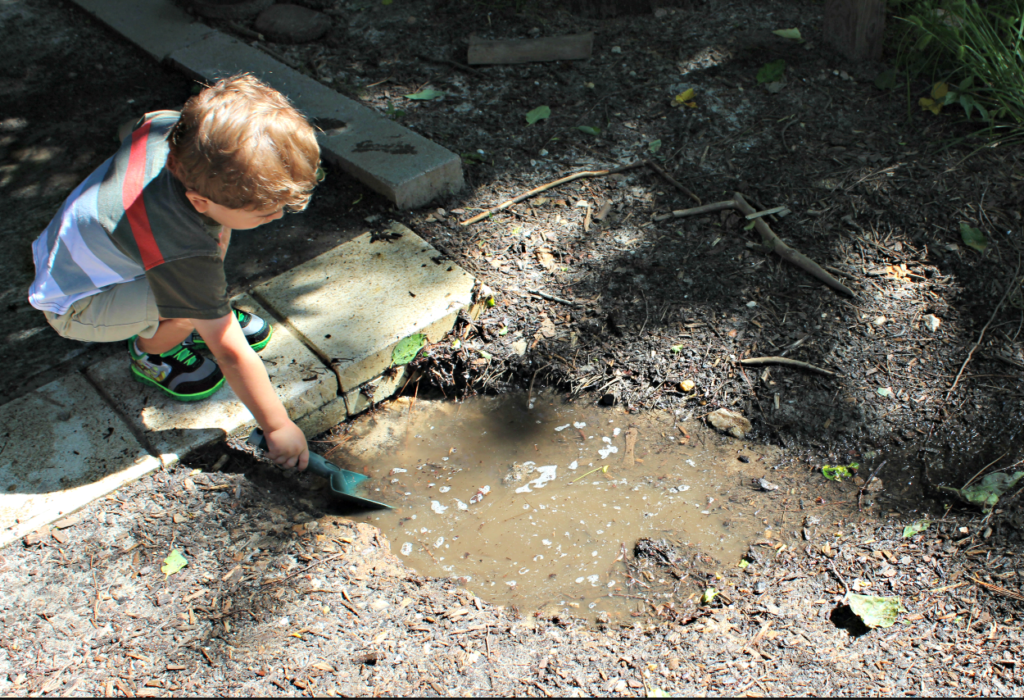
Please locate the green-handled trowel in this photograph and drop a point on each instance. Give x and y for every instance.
(343, 483)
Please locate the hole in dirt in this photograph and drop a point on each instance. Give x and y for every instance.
(550, 506)
(843, 617)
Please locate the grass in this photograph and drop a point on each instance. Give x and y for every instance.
(973, 55)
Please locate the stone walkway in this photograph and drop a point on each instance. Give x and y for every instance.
(337, 317)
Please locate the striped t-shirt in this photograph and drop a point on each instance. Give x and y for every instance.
(131, 218)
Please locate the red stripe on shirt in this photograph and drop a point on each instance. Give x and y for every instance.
(134, 206)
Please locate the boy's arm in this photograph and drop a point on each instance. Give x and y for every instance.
(248, 378)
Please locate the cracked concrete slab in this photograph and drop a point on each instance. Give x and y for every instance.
(172, 428)
(353, 304)
(61, 447)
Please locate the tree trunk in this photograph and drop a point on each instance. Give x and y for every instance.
(617, 8)
(854, 28)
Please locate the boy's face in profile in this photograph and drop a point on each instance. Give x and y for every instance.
(234, 219)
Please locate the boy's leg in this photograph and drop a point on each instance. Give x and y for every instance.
(128, 311)
(169, 334)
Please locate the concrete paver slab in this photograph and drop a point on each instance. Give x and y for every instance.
(400, 164)
(61, 447)
(172, 429)
(158, 27)
(354, 303)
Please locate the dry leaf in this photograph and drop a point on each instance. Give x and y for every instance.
(545, 258)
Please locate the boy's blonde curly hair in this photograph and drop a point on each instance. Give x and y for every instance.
(241, 144)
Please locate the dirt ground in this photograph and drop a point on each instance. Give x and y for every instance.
(270, 606)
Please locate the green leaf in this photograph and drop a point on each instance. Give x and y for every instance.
(654, 146)
(174, 563)
(886, 80)
(484, 354)
(456, 344)
(708, 596)
(678, 348)
(535, 115)
(987, 493)
(875, 611)
(914, 528)
(772, 72)
(407, 349)
(654, 691)
(885, 392)
(839, 472)
(428, 94)
(503, 331)
(793, 34)
(744, 563)
(592, 130)
(750, 224)
(973, 237)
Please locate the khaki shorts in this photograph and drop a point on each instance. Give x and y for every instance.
(121, 312)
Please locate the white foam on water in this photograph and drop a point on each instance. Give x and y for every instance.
(444, 489)
(460, 505)
(573, 464)
(579, 425)
(616, 431)
(547, 473)
(406, 549)
(581, 579)
(605, 451)
(437, 507)
(438, 542)
(561, 427)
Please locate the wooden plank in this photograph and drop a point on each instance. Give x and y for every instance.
(505, 51)
(854, 28)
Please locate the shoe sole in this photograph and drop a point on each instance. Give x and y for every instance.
(256, 348)
(143, 379)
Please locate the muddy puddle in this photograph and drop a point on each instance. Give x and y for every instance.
(542, 507)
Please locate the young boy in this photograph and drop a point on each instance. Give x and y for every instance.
(137, 251)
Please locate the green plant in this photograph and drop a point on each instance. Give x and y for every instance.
(971, 54)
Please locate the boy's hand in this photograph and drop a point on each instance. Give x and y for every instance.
(288, 446)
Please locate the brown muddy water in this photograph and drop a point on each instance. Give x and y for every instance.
(538, 506)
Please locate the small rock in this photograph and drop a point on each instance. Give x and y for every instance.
(67, 522)
(230, 9)
(292, 24)
(767, 485)
(519, 347)
(40, 535)
(931, 322)
(378, 605)
(312, 526)
(674, 664)
(301, 517)
(162, 599)
(744, 459)
(616, 49)
(729, 422)
(760, 587)
(686, 386)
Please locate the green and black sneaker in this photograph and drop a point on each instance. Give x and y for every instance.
(256, 330)
(179, 372)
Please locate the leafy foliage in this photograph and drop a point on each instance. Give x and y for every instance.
(976, 50)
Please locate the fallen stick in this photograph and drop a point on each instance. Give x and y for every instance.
(981, 336)
(768, 237)
(703, 209)
(860, 494)
(675, 183)
(548, 186)
(797, 258)
(552, 297)
(785, 361)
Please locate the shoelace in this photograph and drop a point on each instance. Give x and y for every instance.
(185, 357)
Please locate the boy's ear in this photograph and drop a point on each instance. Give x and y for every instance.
(201, 203)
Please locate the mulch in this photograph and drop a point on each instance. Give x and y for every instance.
(281, 597)
(278, 597)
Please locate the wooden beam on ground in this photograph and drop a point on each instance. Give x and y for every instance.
(506, 51)
(854, 28)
